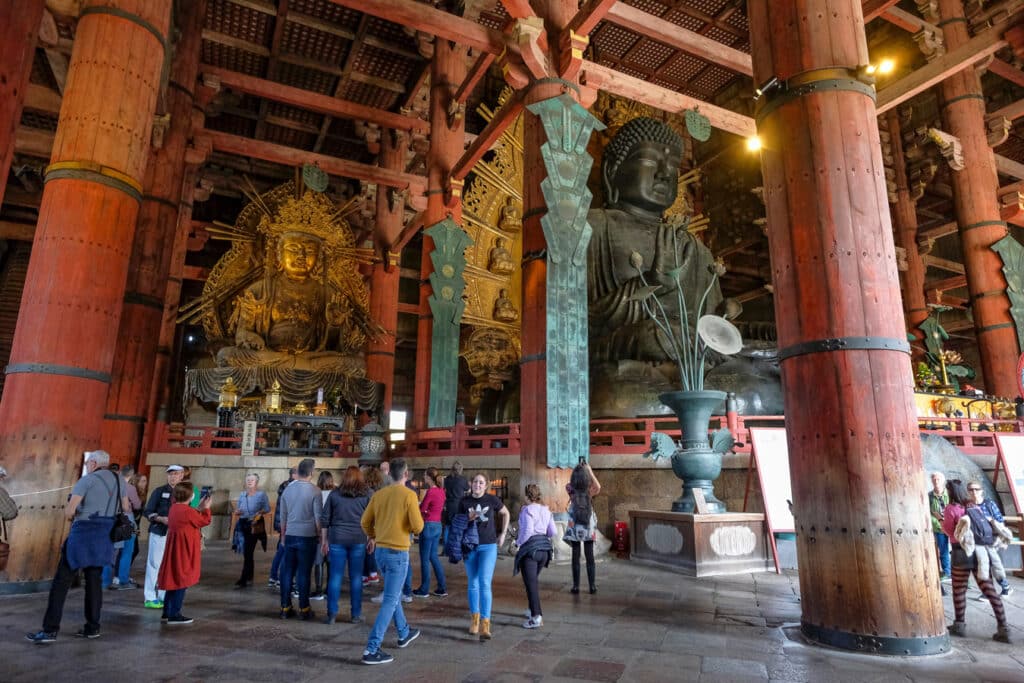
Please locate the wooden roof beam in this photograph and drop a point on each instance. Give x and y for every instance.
(618, 83)
(307, 99)
(18, 232)
(590, 15)
(1009, 167)
(911, 23)
(485, 140)
(1011, 111)
(938, 231)
(33, 142)
(41, 98)
(943, 264)
(289, 156)
(476, 72)
(1007, 71)
(936, 71)
(875, 8)
(430, 20)
(949, 283)
(680, 38)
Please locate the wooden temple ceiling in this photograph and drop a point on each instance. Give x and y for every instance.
(321, 80)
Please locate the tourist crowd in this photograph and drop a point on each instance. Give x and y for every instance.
(365, 525)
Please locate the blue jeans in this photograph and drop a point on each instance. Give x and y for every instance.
(173, 602)
(354, 554)
(275, 566)
(479, 572)
(393, 565)
(123, 562)
(942, 543)
(299, 553)
(428, 558)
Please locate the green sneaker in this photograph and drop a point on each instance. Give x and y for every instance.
(153, 604)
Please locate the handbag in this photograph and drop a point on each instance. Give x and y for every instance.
(124, 527)
(5, 547)
(259, 527)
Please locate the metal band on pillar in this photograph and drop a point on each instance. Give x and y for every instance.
(810, 82)
(845, 344)
(95, 173)
(879, 645)
(51, 369)
(968, 96)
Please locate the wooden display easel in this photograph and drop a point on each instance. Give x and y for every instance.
(768, 447)
(1011, 461)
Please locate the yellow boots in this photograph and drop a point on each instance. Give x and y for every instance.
(474, 624)
(485, 629)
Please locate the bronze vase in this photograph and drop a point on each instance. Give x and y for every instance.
(694, 462)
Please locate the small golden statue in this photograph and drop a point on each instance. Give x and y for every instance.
(499, 261)
(272, 401)
(228, 397)
(511, 217)
(504, 310)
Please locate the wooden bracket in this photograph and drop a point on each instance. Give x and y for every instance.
(513, 70)
(929, 9)
(161, 124)
(199, 151)
(998, 129)
(571, 46)
(529, 36)
(453, 192)
(456, 113)
(931, 43)
(949, 146)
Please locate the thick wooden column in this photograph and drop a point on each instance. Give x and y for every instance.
(868, 578)
(139, 333)
(977, 212)
(63, 351)
(380, 354)
(19, 28)
(904, 215)
(448, 70)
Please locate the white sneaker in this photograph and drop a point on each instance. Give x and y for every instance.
(406, 598)
(377, 599)
(527, 614)
(533, 622)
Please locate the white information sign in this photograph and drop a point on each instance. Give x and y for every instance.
(1011, 451)
(249, 438)
(771, 458)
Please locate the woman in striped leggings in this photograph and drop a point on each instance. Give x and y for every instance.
(964, 565)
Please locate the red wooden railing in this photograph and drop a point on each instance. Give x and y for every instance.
(607, 437)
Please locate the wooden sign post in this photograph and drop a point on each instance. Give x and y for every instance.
(769, 457)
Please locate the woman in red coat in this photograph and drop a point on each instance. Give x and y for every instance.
(181, 564)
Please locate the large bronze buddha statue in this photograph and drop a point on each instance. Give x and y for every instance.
(640, 171)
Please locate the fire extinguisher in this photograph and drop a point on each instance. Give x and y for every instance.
(622, 539)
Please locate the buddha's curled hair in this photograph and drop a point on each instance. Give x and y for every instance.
(640, 129)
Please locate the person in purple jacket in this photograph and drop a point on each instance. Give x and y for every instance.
(536, 529)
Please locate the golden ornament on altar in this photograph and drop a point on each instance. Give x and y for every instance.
(228, 394)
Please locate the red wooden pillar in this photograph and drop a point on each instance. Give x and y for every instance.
(868, 576)
(380, 354)
(904, 214)
(135, 357)
(977, 212)
(19, 28)
(59, 372)
(447, 71)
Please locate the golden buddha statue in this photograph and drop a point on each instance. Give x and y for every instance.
(309, 310)
(504, 310)
(511, 219)
(499, 260)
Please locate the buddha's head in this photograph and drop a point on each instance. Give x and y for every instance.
(298, 254)
(499, 243)
(641, 166)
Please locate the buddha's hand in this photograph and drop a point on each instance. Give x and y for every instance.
(250, 340)
(664, 268)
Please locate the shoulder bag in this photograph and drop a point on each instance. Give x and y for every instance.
(123, 528)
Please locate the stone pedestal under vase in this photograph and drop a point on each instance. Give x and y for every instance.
(700, 545)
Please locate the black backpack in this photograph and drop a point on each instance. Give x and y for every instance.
(980, 526)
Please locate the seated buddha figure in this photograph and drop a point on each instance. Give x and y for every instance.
(640, 171)
(511, 219)
(293, 316)
(499, 259)
(504, 310)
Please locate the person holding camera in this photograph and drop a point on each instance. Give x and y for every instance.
(250, 508)
(156, 512)
(90, 509)
(183, 551)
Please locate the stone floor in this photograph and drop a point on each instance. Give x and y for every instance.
(644, 625)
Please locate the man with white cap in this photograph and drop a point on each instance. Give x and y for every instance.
(88, 547)
(156, 512)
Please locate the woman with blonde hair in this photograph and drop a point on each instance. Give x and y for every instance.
(536, 529)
